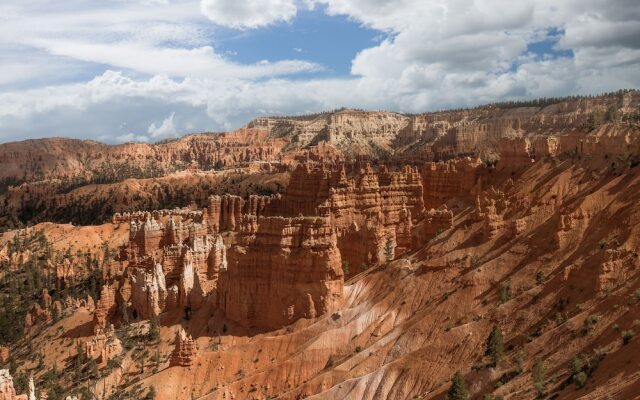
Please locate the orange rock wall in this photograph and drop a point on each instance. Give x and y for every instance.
(291, 270)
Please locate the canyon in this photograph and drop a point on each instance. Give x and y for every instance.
(342, 255)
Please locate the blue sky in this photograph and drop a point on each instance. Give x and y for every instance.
(145, 70)
(330, 41)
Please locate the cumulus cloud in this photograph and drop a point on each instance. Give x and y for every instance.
(166, 129)
(248, 13)
(157, 70)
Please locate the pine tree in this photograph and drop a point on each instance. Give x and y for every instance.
(79, 362)
(154, 328)
(612, 114)
(494, 347)
(125, 313)
(458, 389)
(388, 250)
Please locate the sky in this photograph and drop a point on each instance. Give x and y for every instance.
(148, 70)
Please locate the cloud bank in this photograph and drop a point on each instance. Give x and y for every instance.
(145, 70)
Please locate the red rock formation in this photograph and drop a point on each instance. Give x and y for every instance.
(146, 236)
(290, 261)
(4, 354)
(515, 153)
(186, 281)
(46, 299)
(444, 181)
(572, 225)
(37, 315)
(437, 221)
(217, 259)
(616, 267)
(104, 346)
(7, 391)
(148, 292)
(367, 211)
(279, 269)
(494, 225)
(224, 213)
(106, 308)
(185, 352)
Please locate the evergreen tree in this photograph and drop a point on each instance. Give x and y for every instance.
(154, 328)
(388, 250)
(612, 114)
(494, 347)
(79, 362)
(458, 389)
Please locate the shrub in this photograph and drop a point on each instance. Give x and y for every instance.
(475, 260)
(540, 278)
(581, 368)
(151, 394)
(626, 337)
(345, 267)
(539, 376)
(589, 323)
(505, 292)
(579, 379)
(518, 360)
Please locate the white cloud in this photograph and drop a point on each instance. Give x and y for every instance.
(132, 137)
(159, 60)
(166, 129)
(248, 13)
(202, 61)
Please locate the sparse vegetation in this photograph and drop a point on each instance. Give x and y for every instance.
(538, 374)
(389, 249)
(458, 389)
(627, 336)
(540, 277)
(494, 346)
(589, 324)
(154, 329)
(475, 261)
(505, 291)
(582, 367)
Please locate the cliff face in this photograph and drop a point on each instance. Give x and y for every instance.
(290, 269)
(55, 178)
(438, 135)
(267, 261)
(67, 159)
(258, 282)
